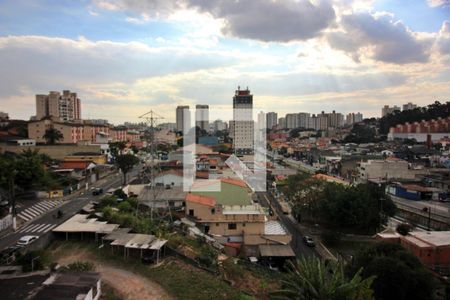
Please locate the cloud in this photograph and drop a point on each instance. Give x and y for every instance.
(443, 39)
(44, 63)
(380, 37)
(439, 3)
(263, 20)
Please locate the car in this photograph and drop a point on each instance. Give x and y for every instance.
(97, 191)
(309, 241)
(27, 239)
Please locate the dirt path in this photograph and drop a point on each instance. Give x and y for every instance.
(127, 284)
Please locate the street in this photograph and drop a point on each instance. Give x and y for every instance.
(297, 244)
(43, 224)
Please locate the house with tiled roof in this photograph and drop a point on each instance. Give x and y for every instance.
(225, 210)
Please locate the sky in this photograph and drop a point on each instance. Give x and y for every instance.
(126, 57)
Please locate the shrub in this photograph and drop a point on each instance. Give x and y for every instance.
(207, 256)
(125, 206)
(81, 266)
(31, 261)
(120, 194)
(403, 228)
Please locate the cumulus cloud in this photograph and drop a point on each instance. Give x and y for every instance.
(43, 63)
(264, 20)
(380, 37)
(443, 39)
(439, 3)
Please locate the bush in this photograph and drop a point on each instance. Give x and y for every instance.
(403, 228)
(108, 201)
(207, 256)
(31, 261)
(120, 194)
(331, 238)
(81, 266)
(125, 206)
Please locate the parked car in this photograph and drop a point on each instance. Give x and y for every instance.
(309, 241)
(97, 191)
(26, 240)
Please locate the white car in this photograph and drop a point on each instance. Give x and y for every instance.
(27, 239)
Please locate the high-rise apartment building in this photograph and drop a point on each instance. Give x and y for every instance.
(335, 119)
(219, 125)
(282, 123)
(64, 107)
(303, 119)
(243, 125)
(271, 119)
(389, 110)
(353, 118)
(409, 106)
(202, 116)
(180, 119)
(291, 121)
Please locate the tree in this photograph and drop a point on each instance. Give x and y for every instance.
(361, 133)
(399, 274)
(403, 228)
(52, 135)
(362, 207)
(125, 163)
(312, 279)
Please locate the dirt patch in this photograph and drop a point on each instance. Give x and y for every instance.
(127, 284)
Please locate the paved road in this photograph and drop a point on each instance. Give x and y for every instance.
(297, 243)
(45, 222)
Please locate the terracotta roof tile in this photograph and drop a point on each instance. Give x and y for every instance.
(209, 201)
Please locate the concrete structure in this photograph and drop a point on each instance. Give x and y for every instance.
(353, 118)
(74, 132)
(54, 151)
(243, 124)
(230, 215)
(409, 106)
(219, 125)
(432, 248)
(389, 110)
(437, 129)
(291, 121)
(66, 285)
(64, 107)
(271, 119)
(281, 123)
(95, 157)
(202, 116)
(335, 119)
(390, 168)
(162, 198)
(181, 122)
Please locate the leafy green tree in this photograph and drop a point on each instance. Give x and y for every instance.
(403, 228)
(312, 279)
(399, 274)
(125, 163)
(52, 135)
(361, 133)
(81, 266)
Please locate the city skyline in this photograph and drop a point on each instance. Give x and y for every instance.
(124, 57)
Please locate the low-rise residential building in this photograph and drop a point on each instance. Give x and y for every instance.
(432, 248)
(225, 210)
(390, 168)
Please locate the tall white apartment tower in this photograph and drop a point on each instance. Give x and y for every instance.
(243, 125)
(180, 117)
(202, 116)
(271, 119)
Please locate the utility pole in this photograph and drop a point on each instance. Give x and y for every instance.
(151, 118)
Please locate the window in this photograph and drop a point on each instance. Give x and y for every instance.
(213, 211)
(191, 212)
(243, 224)
(232, 226)
(217, 224)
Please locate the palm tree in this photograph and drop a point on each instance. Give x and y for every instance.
(312, 279)
(52, 135)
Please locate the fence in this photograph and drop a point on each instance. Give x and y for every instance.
(6, 222)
